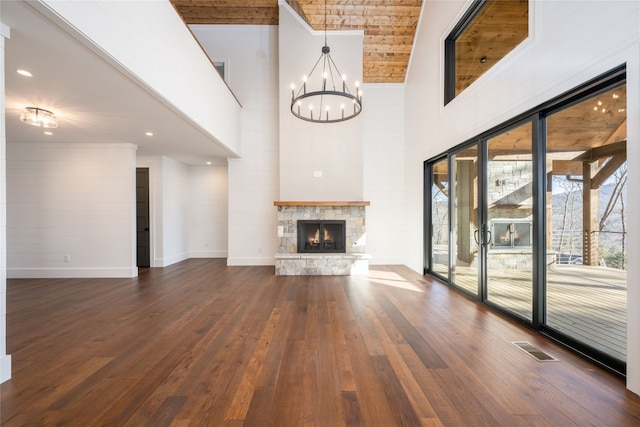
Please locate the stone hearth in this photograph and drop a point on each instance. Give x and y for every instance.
(291, 263)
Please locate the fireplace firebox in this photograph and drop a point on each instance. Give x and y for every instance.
(511, 233)
(321, 236)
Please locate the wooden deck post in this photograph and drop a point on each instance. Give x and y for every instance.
(590, 215)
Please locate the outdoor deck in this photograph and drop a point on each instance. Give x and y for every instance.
(587, 303)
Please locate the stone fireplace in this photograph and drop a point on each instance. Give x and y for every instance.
(321, 238)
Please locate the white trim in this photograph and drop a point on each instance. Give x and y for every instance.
(167, 261)
(64, 273)
(208, 254)
(5, 368)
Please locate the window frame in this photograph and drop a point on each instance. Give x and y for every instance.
(450, 49)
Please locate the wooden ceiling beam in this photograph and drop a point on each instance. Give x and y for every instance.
(607, 170)
(566, 167)
(597, 153)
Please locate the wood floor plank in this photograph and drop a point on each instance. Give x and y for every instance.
(419, 402)
(201, 343)
(341, 353)
(242, 399)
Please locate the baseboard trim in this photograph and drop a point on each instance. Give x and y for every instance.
(165, 262)
(5, 368)
(208, 254)
(71, 273)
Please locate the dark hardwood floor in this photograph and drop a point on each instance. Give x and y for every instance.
(202, 344)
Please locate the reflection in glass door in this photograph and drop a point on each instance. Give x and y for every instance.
(464, 272)
(509, 221)
(440, 218)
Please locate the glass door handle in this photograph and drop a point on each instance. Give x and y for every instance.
(476, 233)
(489, 239)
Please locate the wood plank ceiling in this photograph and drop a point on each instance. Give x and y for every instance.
(389, 25)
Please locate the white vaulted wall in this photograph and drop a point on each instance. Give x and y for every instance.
(383, 164)
(70, 210)
(250, 54)
(570, 42)
(318, 161)
(256, 180)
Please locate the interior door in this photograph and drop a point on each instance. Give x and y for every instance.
(143, 247)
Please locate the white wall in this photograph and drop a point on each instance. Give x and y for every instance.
(175, 213)
(333, 149)
(207, 210)
(383, 164)
(70, 200)
(251, 55)
(570, 42)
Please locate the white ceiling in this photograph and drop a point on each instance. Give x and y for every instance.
(95, 100)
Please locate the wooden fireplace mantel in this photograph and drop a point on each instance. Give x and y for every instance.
(337, 204)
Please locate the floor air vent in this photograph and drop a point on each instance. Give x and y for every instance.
(537, 354)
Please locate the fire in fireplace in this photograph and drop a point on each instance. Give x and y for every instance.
(511, 233)
(321, 236)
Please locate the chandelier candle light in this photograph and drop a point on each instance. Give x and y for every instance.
(333, 104)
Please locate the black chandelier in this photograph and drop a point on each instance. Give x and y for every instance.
(332, 102)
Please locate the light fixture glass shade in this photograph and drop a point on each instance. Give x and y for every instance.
(324, 97)
(39, 117)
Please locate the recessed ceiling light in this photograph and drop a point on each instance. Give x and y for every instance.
(24, 73)
(208, 163)
(48, 133)
(149, 133)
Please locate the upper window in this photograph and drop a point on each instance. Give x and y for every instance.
(221, 69)
(486, 33)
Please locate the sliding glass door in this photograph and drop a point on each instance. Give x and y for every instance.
(440, 230)
(537, 214)
(509, 221)
(466, 266)
(587, 222)
(491, 218)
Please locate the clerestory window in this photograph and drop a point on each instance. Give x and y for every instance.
(486, 33)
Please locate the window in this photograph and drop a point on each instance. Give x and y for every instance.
(487, 33)
(220, 68)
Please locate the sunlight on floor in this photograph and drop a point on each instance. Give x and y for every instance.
(390, 278)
